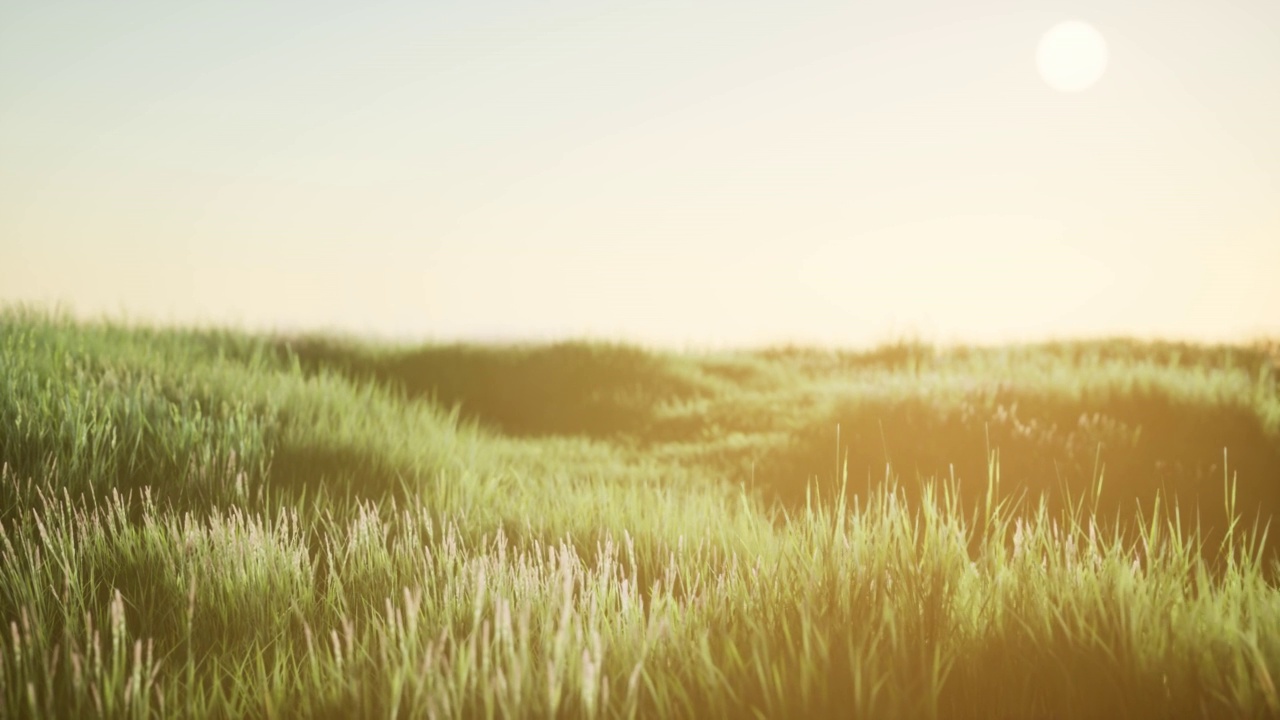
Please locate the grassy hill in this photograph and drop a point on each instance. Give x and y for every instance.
(211, 523)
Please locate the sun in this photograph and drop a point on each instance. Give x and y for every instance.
(1072, 56)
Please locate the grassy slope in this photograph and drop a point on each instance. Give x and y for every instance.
(208, 523)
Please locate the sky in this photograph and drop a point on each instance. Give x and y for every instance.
(681, 173)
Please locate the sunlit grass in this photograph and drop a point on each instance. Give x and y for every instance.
(206, 524)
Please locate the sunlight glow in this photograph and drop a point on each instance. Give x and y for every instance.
(709, 173)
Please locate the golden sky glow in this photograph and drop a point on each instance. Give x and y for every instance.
(676, 172)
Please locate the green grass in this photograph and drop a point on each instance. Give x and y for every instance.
(199, 523)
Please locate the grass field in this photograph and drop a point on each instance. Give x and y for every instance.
(199, 523)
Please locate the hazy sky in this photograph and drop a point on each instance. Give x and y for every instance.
(690, 172)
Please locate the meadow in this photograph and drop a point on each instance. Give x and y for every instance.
(211, 523)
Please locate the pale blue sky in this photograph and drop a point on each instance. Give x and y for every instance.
(676, 172)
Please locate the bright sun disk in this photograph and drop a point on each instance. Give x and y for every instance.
(1072, 56)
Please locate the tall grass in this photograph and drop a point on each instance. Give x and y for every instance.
(201, 525)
